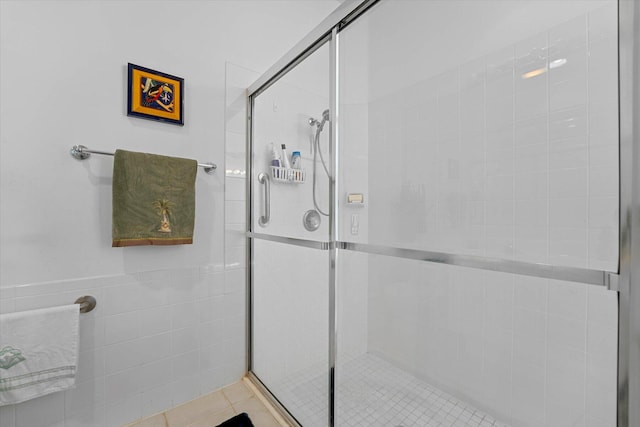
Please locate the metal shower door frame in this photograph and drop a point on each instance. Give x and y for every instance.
(629, 237)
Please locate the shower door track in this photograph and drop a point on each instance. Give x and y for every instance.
(587, 276)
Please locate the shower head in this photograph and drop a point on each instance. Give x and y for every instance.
(325, 118)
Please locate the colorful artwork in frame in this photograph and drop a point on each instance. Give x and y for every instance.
(155, 96)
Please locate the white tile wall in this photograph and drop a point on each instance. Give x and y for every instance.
(529, 351)
(481, 160)
(237, 80)
(281, 115)
(140, 348)
(291, 323)
(352, 306)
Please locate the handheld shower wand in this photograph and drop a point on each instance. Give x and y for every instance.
(320, 124)
(316, 150)
(325, 118)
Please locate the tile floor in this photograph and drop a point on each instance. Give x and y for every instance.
(371, 393)
(214, 408)
(374, 393)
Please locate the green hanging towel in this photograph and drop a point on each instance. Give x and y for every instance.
(153, 199)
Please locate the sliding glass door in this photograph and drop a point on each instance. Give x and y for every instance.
(483, 136)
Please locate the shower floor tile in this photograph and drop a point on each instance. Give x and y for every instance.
(372, 392)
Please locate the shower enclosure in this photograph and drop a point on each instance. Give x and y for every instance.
(446, 251)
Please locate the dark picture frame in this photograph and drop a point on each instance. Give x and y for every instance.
(155, 95)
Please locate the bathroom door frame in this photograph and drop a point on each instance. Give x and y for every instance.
(626, 281)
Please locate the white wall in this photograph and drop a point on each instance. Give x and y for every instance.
(291, 326)
(81, 50)
(281, 116)
(353, 136)
(353, 221)
(480, 162)
(169, 322)
(528, 351)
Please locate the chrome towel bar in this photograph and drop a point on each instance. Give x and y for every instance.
(81, 152)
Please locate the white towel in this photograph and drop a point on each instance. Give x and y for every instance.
(38, 352)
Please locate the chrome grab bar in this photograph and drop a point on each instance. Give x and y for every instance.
(263, 178)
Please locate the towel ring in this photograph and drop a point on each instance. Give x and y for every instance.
(87, 303)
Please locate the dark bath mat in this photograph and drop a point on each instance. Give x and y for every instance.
(241, 420)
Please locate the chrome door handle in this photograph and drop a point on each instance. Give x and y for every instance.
(263, 178)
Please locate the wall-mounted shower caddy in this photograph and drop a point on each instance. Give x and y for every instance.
(288, 175)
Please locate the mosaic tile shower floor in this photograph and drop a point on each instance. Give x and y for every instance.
(374, 393)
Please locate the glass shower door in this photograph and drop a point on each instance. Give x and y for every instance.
(482, 134)
(289, 239)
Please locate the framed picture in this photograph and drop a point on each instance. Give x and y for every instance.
(155, 96)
